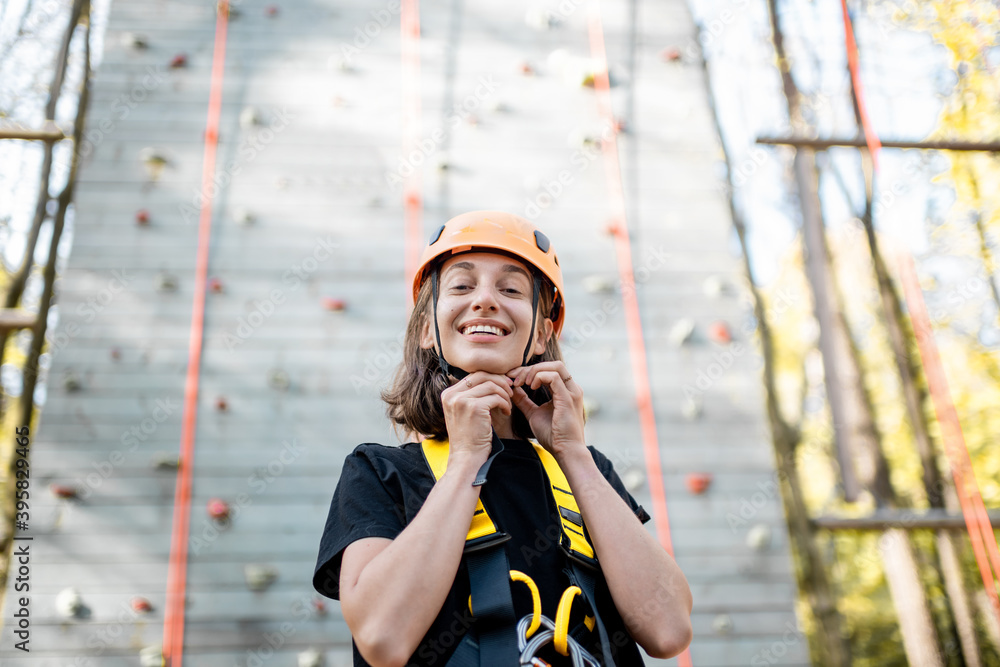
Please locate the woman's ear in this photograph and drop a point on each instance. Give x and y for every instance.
(545, 328)
(426, 335)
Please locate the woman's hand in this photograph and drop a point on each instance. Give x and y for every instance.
(467, 412)
(558, 424)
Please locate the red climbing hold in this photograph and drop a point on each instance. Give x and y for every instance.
(221, 404)
(319, 607)
(116, 353)
(63, 491)
(671, 55)
(141, 605)
(215, 285)
(719, 332)
(619, 125)
(698, 482)
(271, 11)
(180, 60)
(218, 509)
(526, 69)
(142, 217)
(334, 304)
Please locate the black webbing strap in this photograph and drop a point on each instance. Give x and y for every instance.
(493, 607)
(584, 578)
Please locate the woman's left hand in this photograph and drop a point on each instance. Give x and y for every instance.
(557, 424)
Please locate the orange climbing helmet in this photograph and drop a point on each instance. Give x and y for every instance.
(496, 230)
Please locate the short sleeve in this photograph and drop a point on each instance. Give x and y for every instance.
(362, 506)
(608, 470)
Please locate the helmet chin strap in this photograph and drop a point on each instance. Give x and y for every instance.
(459, 373)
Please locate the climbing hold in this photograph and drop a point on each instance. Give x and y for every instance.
(133, 41)
(154, 161)
(249, 118)
(442, 163)
(165, 282)
(151, 656)
(614, 228)
(64, 491)
(759, 537)
(698, 482)
(164, 461)
(691, 408)
(633, 479)
(540, 19)
(215, 285)
(259, 577)
(271, 11)
(526, 69)
(332, 304)
(69, 604)
(278, 379)
(116, 354)
(681, 332)
(242, 215)
(719, 332)
(221, 404)
(311, 658)
(619, 125)
(180, 60)
(496, 106)
(671, 54)
(71, 382)
(217, 509)
(598, 284)
(319, 606)
(590, 408)
(722, 624)
(142, 217)
(282, 183)
(141, 605)
(472, 119)
(713, 286)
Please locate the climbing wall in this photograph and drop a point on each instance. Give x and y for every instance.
(306, 303)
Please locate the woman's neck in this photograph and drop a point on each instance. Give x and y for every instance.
(502, 424)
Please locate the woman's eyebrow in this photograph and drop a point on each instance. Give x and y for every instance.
(507, 268)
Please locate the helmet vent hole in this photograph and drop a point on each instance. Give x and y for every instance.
(436, 235)
(542, 241)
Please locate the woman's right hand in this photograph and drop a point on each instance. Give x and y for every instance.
(467, 412)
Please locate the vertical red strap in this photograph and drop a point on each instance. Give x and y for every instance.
(633, 323)
(173, 620)
(413, 183)
(984, 543)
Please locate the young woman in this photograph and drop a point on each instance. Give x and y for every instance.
(437, 548)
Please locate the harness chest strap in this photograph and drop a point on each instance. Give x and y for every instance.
(436, 454)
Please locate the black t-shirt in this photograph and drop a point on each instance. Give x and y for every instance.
(382, 488)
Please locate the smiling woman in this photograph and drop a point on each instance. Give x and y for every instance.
(424, 554)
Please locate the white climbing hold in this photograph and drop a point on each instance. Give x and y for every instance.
(682, 332)
(714, 286)
(692, 408)
(590, 408)
(279, 379)
(242, 215)
(154, 161)
(165, 461)
(598, 284)
(540, 19)
(259, 577)
(633, 479)
(132, 40)
(311, 658)
(151, 656)
(759, 537)
(722, 624)
(249, 118)
(69, 604)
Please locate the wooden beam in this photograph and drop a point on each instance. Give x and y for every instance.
(821, 144)
(16, 318)
(49, 132)
(906, 519)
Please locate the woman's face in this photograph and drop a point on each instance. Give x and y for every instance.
(491, 291)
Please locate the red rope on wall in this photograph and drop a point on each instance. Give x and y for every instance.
(173, 619)
(633, 322)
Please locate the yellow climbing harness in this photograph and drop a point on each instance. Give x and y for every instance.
(483, 534)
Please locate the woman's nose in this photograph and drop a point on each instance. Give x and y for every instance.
(484, 298)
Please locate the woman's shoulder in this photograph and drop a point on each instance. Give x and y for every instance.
(387, 458)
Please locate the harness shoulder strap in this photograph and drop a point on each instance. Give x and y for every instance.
(436, 455)
(573, 529)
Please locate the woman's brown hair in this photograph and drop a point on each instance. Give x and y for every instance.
(413, 400)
